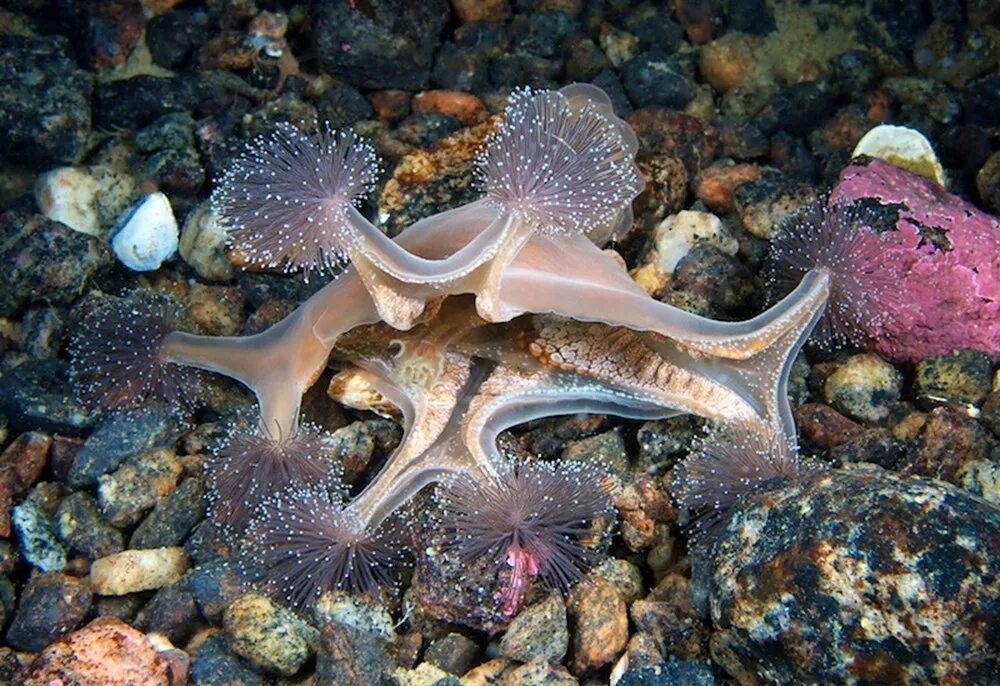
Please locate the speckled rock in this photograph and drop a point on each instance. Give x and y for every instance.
(343, 608)
(389, 45)
(108, 652)
(948, 441)
(425, 674)
(215, 584)
(663, 441)
(37, 537)
(214, 664)
(49, 607)
(134, 488)
(43, 260)
(646, 512)
(599, 625)
(217, 310)
(823, 427)
(453, 654)
(860, 575)
(863, 388)
(173, 518)
(45, 101)
(203, 244)
(36, 395)
(268, 635)
(117, 438)
(670, 674)
(347, 655)
(763, 204)
(171, 612)
(539, 672)
(665, 132)
(876, 445)
(656, 78)
(538, 631)
(132, 103)
(963, 377)
(80, 527)
(138, 570)
(624, 577)
(605, 449)
(666, 616)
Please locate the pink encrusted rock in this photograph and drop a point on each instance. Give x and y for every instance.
(108, 652)
(944, 254)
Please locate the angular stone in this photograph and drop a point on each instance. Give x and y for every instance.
(268, 635)
(50, 606)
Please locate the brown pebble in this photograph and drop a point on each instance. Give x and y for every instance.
(950, 439)
(715, 185)
(729, 61)
(218, 310)
(469, 11)
(20, 466)
(600, 621)
(465, 107)
(391, 106)
(823, 427)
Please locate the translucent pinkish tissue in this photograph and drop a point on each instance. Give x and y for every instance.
(942, 253)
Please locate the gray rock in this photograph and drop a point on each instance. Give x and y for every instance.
(691, 673)
(656, 78)
(453, 653)
(80, 527)
(173, 518)
(39, 544)
(863, 388)
(348, 655)
(390, 45)
(171, 612)
(538, 631)
(216, 665)
(50, 606)
(44, 101)
(964, 377)
(120, 436)
(268, 635)
(135, 487)
(36, 395)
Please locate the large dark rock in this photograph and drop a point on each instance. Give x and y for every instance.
(656, 78)
(44, 101)
(857, 575)
(51, 606)
(378, 43)
(43, 260)
(38, 395)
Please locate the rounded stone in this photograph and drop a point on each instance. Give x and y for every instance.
(138, 570)
(860, 576)
(268, 635)
(864, 388)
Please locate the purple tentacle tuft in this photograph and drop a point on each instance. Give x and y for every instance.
(284, 201)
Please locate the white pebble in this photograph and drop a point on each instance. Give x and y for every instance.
(148, 235)
(69, 195)
(138, 570)
(903, 147)
(674, 237)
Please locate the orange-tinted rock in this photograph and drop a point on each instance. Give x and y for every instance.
(465, 107)
(480, 10)
(108, 652)
(390, 105)
(20, 466)
(715, 185)
(728, 62)
(823, 427)
(601, 625)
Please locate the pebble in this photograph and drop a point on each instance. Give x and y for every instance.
(716, 184)
(138, 570)
(45, 261)
(729, 61)
(603, 451)
(37, 538)
(425, 674)
(36, 395)
(120, 436)
(390, 47)
(69, 195)
(465, 107)
(453, 654)
(538, 630)
(339, 607)
(764, 204)
(988, 183)
(132, 103)
(49, 607)
(173, 517)
(214, 664)
(49, 125)
(268, 635)
(147, 235)
(80, 527)
(948, 441)
(203, 244)
(21, 465)
(173, 612)
(823, 427)
(127, 493)
(107, 652)
(663, 441)
(600, 625)
(675, 236)
(646, 512)
(657, 78)
(963, 377)
(217, 310)
(215, 584)
(347, 655)
(903, 147)
(693, 673)
(874, 576)
(676, 631)
(864, 388)
(539, 671)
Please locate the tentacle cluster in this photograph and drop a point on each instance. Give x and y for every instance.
(564, 168)
(284, 200)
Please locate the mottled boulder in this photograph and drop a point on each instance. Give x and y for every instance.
(857, 575)
(44, 101)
